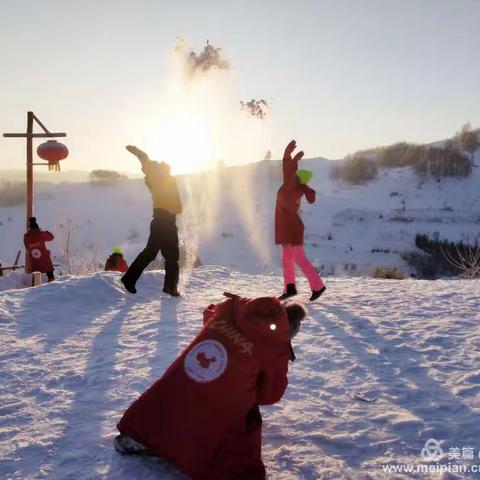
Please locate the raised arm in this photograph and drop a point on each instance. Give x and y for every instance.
(140, 154)
(290, 165)
(47, 236)
(310, 194)
(272, 383)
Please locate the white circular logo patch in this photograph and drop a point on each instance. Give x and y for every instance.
(206, 361)
(36, 253)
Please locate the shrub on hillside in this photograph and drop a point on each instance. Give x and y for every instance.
(437, 162)
(400, 155)
(457, 258)
(468, 139)
(106, 177)
(444, 162)
(357, 170)
(426, 266)
(389, 273)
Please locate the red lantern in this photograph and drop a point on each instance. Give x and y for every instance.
(52, 151)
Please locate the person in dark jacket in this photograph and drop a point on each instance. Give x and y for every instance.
(163, 229)
(289, 227)
(38, 254)
(203, 415)
(115, 262)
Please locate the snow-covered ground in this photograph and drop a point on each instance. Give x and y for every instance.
(75, 353)
(228, 218)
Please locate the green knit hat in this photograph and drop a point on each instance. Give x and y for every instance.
(304, 176)
(117, 250)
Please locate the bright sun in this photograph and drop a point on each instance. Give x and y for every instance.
(197, 123)
(185, 144)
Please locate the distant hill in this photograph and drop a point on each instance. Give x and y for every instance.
(228, 217)
(71, 176)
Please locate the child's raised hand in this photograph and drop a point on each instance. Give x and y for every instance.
(140, 154)
(289, 149)
(298, 156)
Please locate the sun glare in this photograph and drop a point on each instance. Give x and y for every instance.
(185, 144)
(198, 121)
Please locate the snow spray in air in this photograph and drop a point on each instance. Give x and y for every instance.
(201, 126)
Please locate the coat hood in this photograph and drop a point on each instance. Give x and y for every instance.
(261, 320)
(263, 317)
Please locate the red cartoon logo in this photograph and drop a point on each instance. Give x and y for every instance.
(204, 361)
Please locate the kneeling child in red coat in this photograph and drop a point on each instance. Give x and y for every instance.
(203, 415)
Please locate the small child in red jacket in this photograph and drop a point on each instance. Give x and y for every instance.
(289, 226)
(39, 256)
(115, 262)
(203, 415)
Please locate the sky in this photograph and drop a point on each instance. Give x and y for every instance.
(339, 75)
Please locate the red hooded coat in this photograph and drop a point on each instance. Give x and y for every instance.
(116, 263)
(34, 242)
(289, 227)
(203, 414)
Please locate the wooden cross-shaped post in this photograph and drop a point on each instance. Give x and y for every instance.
(29, 135)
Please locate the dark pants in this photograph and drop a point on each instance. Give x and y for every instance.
(164, 238)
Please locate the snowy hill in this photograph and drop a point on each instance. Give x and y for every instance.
(74, 354)
(228, 218)
(71, 176)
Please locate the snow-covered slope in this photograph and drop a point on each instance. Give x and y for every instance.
(74, 354)
(229, 218)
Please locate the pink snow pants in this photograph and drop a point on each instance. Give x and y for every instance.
(292, 255)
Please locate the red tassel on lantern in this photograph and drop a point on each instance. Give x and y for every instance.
(52, 151)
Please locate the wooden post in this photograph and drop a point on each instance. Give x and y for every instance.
(29, 165)
(29, 181)
(36, 279)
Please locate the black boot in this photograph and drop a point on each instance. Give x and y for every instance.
(316, 294)
(291, 292)
(128, 446)
(129, 286)
(171, 291)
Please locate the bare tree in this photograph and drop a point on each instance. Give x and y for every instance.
(468, 140)
(466, 260)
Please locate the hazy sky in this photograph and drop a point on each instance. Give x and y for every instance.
(341, 75)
